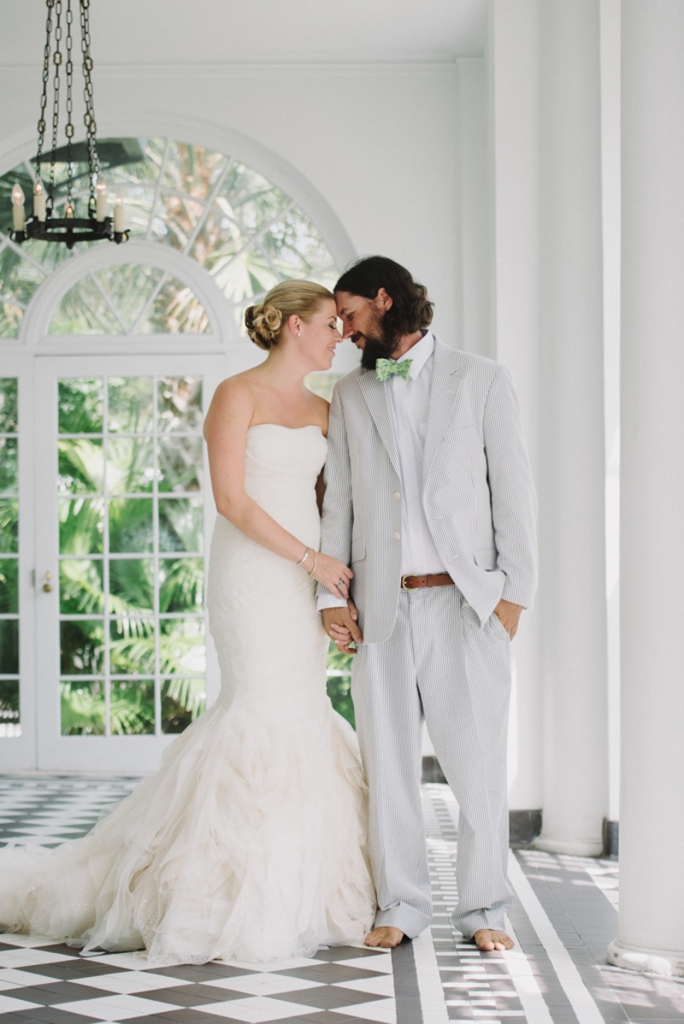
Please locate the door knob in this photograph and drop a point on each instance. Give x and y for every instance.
(47, 586)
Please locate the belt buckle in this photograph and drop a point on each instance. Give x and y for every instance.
(403, 582)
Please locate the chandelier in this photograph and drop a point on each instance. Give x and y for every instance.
(43, 224)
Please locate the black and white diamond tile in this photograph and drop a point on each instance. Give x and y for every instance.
(51, 811)
(51, 984)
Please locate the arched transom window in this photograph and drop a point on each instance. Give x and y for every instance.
(240, 227)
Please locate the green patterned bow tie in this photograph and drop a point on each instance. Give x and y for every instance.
(385, 368)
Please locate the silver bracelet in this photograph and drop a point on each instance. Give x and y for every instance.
(313, 567)
(304, 557)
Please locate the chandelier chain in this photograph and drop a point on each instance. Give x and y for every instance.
(57, 61)
(69, 127)
(88, 95)
(43, 99)
(45, 223)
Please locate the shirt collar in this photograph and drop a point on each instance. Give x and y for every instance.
(419, 354)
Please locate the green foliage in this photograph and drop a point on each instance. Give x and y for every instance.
(9, 700)
(136, 647)
(339, 683)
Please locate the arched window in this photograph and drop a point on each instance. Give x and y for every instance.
(130, 298)
(241, 228)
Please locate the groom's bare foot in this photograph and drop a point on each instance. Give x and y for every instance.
(388, 938)
(487, 939)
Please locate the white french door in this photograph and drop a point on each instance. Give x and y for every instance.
(123, 516)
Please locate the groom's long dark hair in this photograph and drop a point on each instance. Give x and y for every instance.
(411, 309)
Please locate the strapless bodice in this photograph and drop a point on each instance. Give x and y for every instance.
(282, 465)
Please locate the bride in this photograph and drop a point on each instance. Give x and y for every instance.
(249, 843)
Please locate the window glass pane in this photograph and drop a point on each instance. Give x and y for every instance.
(245, 276)
(219, 240)
(131, 646)
(9, 525)
(9, 586)
(9, 708)
(179, 402)
(9, 647)
(131, 585)
(181, 646)
(81, 526)
(131, 707)
(179, 217)
(9, 467)
(81, 403)
(250, 198)
(81, 466)
(80, 586)
(8, 405)
(82, 647)
(129, 287)
(295, 247)
(192, 169)
(130, 525)
(83, 708)
(11, 317)
(19, 278)
(130, 465)
(84, 310)
(175, 310)
(180, 524)
(130, 405)
(181, 584)
(182, 700)
(180, 463)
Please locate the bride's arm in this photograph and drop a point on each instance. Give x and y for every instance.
(225, 431)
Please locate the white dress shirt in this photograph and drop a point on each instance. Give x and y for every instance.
(409, 401)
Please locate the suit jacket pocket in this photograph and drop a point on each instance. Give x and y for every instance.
(358, 549)
(486, 558)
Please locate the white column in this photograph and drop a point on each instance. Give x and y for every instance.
(651, 929)
(573, 580)
(513, 71)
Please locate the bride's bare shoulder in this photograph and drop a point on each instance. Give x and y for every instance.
(233, 399)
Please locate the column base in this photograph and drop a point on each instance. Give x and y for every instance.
(571, 847)
(666, 962)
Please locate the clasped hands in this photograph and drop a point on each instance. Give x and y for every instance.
(342, 624)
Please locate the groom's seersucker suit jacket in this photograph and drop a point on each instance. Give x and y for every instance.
(478, 491)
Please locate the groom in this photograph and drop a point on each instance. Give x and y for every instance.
(430, 499)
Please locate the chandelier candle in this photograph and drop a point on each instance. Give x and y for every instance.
(101, 203)
(39, 203)
(18, 211)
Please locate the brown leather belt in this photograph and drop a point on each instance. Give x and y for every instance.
(440, 579)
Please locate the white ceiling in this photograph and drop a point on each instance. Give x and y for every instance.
(264, 31)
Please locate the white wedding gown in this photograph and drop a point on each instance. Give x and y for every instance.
(249, 843)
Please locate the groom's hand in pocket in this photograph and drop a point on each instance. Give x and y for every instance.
(342, 626)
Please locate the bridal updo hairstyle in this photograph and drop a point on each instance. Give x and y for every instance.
(411, 309)
(265, 321)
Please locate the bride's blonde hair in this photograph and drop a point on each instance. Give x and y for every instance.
(264, 322)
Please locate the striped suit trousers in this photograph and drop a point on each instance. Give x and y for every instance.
(441, 666)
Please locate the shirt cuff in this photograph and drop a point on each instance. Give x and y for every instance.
(330, 601)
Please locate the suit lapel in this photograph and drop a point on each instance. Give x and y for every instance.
(375, 395)
(444, 394)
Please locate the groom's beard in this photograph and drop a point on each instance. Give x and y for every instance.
(379, 345)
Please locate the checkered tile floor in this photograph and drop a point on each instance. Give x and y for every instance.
(436, 979)
(52, 984)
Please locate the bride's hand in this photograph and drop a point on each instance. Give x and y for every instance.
(333, 574)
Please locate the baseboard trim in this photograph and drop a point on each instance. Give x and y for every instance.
(611, 838)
